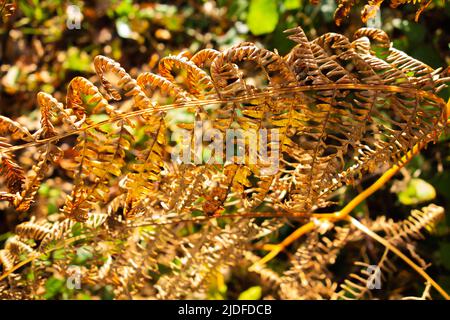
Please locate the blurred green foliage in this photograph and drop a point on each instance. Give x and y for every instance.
(252, 293)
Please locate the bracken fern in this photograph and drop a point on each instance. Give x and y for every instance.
(157, 227)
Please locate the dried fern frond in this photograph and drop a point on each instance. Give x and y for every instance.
(356, 121)
(400, 234)
(308, 276)
(13, 173)
(332, 109)
(403, 232)
(7, 259)
(371, 8)
(7, 8)
(101, 152)
(223, 247)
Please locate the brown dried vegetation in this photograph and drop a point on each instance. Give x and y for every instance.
(342, 109)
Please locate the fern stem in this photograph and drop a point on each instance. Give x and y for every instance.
(36, 256)
(400, 254)
(287, 241)
(344, 213)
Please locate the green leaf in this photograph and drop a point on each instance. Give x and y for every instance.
(124, 8)
(124, 29)
(83, 254)
(59, 254)
(77, 60)
(84, 296)
(44, 189)
(252, 293)
(53, 286)
(292, 4)
(51, 208)
(218, 288)
(108, 293)
(262, 16)
(77, 229)
(417, 191)
(5, 236)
